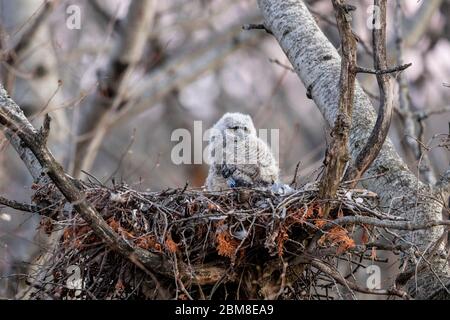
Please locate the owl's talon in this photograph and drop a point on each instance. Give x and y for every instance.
(231, 183)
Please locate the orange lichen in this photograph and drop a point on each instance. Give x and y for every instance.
(281, 239)
(148, 242)
(338, 236)
(171, 245)
(226, 245)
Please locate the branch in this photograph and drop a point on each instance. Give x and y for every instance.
(12, 117)
(443, 185)
(332, 272)
(174, 74)
(380, 72)
(397, 225)
(408, 117)
(252, 26)
(110, 92)
(381, 129)
(28, 35)
(103, 17)
(317, 64)
(184, 68)
(424, 114)
(418, 24)
(19, 206)
(337, 154)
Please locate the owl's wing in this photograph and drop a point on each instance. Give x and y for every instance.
(257, 165)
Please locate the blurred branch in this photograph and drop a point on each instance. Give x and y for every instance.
(424, 114)
(104, 17)
(337, 155)
(26, 38)
(379, 133)
(110, 92)
(174, 74)
(12, 117)
(253, 26)
(184, 68)
(410, 122)
(18, 205)
(276, 61)
(418, 24)
(444, 183)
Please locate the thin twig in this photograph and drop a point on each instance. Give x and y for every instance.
(253, 26)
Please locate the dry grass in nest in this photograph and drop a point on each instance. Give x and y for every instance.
(253, 237)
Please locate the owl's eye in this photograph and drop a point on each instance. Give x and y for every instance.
(234, 128)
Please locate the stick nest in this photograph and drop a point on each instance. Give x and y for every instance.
(238, 244)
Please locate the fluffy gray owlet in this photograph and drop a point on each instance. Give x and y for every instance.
(238, 158)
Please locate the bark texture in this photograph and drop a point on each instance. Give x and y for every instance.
(337, 154)
(317, 63)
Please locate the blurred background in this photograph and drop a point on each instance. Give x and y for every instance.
(119, 78)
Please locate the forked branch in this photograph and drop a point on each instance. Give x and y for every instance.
(337, 154)
(12, 117)
(379, 133)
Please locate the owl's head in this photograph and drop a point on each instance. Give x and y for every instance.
(237, 124)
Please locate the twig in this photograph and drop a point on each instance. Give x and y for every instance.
(12, 117)
(252, 26)
(276, 61)
(29, 34)
(379, 133)
(110, 92)
(379, 72)
(397, 225)
(341, 280)
(337, 154)
(19, 206)
(405, 105)
(294, 178)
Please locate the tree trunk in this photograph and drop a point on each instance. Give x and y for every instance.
(317, 63)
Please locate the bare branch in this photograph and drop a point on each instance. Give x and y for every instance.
(381, 129)
(337, 154)
(18, 205)
(317, 62)
(444, 183)
(24, 42)
(408, 117)
(252, 26)
(332, 272)
(398, 225)
(379, 72)
(109, 95)
(12, 117)
(417, 25)
(276, 61)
